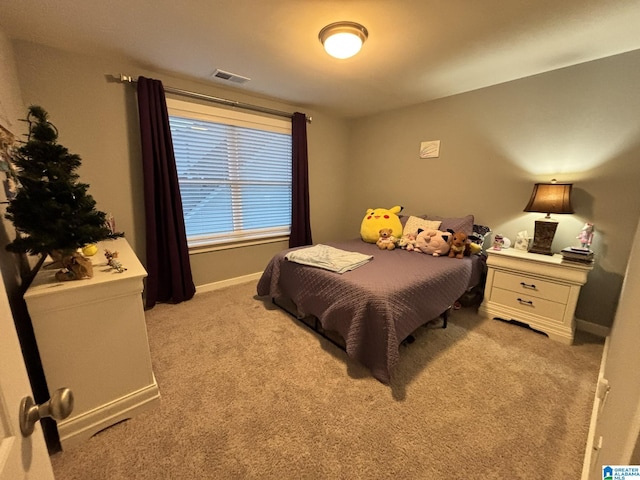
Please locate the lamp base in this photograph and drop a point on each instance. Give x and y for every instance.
(543, 237)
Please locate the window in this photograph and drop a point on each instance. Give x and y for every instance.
(234, 171)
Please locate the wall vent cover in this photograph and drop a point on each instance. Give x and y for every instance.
(229, 77)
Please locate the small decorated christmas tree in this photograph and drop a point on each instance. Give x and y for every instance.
(51, 210)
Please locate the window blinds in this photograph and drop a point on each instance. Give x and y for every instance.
(234, 176)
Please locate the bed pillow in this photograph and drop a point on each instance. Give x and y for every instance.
(414, 223)
(457, 224)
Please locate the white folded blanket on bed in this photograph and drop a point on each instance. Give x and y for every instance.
(329, 258)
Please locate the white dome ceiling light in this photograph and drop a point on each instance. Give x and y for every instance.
(343, 39)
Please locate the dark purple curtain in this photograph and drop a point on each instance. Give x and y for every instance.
(169, 271)
(300, 223)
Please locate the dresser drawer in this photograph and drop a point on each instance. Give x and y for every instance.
(529, 304)
(528, 286)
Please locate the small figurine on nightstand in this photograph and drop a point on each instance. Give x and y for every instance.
(586, 235)
(498, 242)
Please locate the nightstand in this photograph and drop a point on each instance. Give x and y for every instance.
(538, 290)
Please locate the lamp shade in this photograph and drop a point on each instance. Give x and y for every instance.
(550, 198)
(343, 39)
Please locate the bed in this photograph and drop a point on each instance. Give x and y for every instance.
(376, 306)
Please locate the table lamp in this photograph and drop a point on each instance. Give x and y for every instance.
(548, 198)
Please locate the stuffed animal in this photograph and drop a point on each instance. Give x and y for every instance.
(459, 245)
(386, 241)
(377, 219)
(473, 249)
(408, 242)
(433, 242)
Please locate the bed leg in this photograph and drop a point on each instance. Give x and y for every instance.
(445, 317)
(408, 340)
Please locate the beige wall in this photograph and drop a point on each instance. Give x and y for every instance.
(579, 124)
(98, 120)
(11, 109)
(11, 106)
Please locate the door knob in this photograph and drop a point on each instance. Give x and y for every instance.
(59, 407)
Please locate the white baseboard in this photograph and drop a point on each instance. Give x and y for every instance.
(78, 429)
(229, 282)
(593, 328)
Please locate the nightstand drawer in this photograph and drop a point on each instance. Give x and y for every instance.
(531, 287)
(528, 304)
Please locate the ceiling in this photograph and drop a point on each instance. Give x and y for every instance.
(417, 50)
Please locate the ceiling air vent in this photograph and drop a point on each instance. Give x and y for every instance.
(229, 77)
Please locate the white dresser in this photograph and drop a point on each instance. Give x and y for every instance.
(92, 339)
(535, 289)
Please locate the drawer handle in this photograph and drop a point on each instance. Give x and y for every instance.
(528, 285)
(525, 302)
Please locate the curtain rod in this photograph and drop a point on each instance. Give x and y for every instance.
(230, 103)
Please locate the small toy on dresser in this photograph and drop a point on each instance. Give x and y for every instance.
(582, 254)
(500, 242)
(586, 235)
(112, 261)
(387, 240)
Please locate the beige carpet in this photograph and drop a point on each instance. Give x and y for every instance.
(250, 393)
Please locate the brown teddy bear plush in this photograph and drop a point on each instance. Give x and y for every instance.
(459, 245)
(386, 241)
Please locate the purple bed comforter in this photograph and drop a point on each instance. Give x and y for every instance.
(376, 306)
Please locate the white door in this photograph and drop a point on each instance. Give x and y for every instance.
(615, 428)
(20, 458)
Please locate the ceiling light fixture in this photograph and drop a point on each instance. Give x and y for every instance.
(343, 39)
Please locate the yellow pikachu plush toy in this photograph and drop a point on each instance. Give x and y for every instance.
(377, 219)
